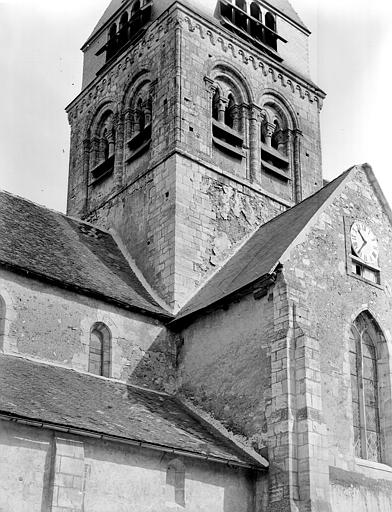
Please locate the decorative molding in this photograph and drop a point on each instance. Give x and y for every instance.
(268, 70)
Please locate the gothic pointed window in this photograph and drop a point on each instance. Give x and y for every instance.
(99, 350)
(364, 387)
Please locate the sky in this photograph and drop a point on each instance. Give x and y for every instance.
(350, 53)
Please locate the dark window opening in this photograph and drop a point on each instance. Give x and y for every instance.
(99, 351)
(256, 29)
(275, 136)
(240, 18)
(236, 17)
(270, 31)
(229, 112)
(129, 28)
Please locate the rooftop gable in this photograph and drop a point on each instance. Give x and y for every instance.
(69, 253)
(261, 252)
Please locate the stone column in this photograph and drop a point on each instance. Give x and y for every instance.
(254, 143)
(269, 129)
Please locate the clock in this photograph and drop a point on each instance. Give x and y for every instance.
(364, 243)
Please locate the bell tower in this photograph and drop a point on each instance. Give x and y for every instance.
(197, 122)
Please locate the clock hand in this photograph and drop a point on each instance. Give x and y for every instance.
(359, 231)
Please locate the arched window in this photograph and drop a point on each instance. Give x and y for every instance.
(241, 18)
(365, 335)
(123, 32)
(111, 47)
(138, 119)
(270, 37)
(175, 482)
(277, 142)
(255, 28)
(99, 350)
(103, 146)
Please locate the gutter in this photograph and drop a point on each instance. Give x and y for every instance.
(131, 442)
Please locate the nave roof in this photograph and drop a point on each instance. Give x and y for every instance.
(62, 399)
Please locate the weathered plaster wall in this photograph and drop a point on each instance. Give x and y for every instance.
(225, 365)
(24, 468)
(326, 298)
(350, 491)
(52, 324)
(44, 471)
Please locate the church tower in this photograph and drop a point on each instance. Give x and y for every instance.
(197, 122)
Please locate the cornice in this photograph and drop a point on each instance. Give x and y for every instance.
(218, 36)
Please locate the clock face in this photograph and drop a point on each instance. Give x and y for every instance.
(364, 243)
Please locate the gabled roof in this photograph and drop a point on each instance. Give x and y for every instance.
(64, 399)
(260, 254)
(204, 7)
(69, 253)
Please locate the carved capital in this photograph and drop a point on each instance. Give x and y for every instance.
(209, 84)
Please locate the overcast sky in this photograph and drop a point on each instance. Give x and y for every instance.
(351, 47)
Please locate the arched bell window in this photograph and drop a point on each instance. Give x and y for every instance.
(364, 337)
(254, 27)
(123, 32)
(270, 31)
(103, 143)
(240, 18)
(111, 47)
(99, 350)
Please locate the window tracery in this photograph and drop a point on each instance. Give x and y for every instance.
(364, 387)
(99, 350)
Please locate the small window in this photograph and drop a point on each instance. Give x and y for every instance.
(99, 350)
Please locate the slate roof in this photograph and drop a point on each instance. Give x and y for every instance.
(70, 253)
(64, 397)
(206, 7)
(260, 254)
